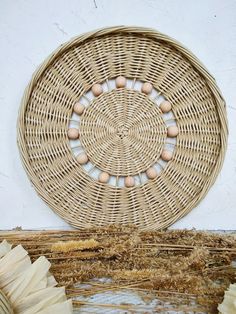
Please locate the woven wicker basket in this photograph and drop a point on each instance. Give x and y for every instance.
(122, 131)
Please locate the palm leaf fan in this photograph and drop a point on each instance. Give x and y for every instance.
(28, 288)
(228, 306)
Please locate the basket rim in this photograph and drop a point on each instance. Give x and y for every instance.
(153, 34)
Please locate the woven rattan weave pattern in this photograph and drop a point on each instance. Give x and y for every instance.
(123, 132)
(139, 54)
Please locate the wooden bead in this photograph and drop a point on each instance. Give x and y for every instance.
(97, 89)
(120, 81)
(151, 173)
(82, 158)
(172, 131)
(129, 182)
(79, 108)
(147, 88)
(103, 177)
(166, 155)
(73, 133)
(165, 106)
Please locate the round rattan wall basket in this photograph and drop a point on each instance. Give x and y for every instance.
(122, 125)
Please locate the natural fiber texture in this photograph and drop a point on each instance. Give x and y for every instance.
(187, 271)
(228, 306)
(28, 288)
(137, 54)
(141, 120)
(5, 306)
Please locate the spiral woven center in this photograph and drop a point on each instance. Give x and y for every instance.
(123, 132)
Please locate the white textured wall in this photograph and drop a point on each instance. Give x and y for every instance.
(30, 30)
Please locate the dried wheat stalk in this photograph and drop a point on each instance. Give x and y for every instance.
(188, 269)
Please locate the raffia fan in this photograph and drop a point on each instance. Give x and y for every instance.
(28, 288)
(117, 270)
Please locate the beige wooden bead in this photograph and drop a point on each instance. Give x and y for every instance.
(103, 177)
(79, 108)
(120, 81)
(147, 88)
(129, 182)
(172, 131)
(82, 158)
(73, 133)
(151, 173)
(165, 106)
(97, 89)
(166, 155)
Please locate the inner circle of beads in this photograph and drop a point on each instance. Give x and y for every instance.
(123, 132)
(58, 164)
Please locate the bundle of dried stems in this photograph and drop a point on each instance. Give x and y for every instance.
(188, 270)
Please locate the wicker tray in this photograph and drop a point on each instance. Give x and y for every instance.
(122, 131)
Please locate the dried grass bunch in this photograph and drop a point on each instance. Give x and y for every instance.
(189, 270)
